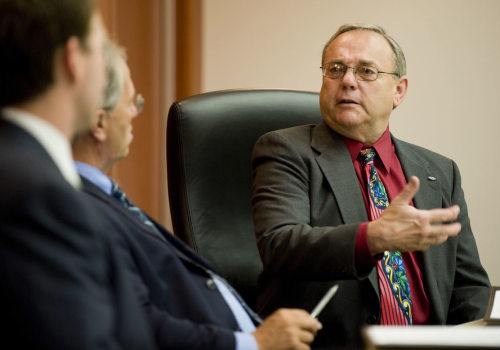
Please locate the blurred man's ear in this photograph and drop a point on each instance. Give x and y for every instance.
(73, 58)
(99, 129)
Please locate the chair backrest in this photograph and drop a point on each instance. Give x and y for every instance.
(210, 138)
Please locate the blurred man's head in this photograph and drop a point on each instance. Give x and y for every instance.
(111, 135)
(52, 44)
(117, 122)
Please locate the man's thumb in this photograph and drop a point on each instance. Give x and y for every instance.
(406, 195)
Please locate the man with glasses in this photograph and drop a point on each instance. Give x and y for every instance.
(346, 202)
(189, 306)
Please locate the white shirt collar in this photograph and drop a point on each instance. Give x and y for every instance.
(51, 139)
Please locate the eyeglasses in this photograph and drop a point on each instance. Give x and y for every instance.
(139, 103)
(337, 70)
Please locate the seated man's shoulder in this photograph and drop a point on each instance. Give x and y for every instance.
(295, 134)
(422, 153)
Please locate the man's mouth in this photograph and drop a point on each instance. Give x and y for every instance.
(346, 101)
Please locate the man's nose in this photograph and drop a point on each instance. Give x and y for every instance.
(349, 80)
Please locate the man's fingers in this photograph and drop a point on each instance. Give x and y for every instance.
(308, 331)
(406, 195)
(437, 235)
(304, 320)
(306, 337)
(447, 230)
(313, 326)
(444, 214)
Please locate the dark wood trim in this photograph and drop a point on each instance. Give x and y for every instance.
(188, 47)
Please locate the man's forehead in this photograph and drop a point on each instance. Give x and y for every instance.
(359, 38)
(362, 45)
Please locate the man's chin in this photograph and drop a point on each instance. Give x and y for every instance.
(349, 119)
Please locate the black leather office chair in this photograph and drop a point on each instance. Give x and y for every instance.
(210, 138)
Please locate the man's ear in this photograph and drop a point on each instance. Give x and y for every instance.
(100, 127)
(400, 91)
(73, 58)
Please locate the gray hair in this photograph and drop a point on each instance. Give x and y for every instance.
(113, 54)
(399, 57)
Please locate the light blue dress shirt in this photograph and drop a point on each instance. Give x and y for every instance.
(244, 339)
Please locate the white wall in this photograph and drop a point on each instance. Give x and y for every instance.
(453, 56)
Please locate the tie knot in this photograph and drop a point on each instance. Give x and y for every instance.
(118, 193)
(367, 155)
(115, 189)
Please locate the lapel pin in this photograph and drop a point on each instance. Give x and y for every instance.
(432, 178)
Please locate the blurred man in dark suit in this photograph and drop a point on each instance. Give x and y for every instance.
(189, 306)
(62, 283)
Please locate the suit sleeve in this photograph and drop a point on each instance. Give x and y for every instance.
(286, 184)
(471, 287)
(176, 333)
(172, 332)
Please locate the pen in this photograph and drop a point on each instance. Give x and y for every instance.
(322, 303)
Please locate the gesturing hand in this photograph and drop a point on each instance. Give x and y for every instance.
(405, 228)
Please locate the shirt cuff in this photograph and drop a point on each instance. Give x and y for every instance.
(364, 260)
(245, 341)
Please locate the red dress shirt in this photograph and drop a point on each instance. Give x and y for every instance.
(392, 176)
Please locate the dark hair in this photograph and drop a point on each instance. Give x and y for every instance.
(31, 32)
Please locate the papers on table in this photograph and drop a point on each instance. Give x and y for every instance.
(439, 337)
(464, 336)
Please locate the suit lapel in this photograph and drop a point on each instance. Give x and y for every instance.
(335, 162)
(427, 197)
(429, 194)
(179, 248)
(90, 188)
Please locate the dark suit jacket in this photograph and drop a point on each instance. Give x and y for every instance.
(62, 284)
(173, 282)
(307, 209)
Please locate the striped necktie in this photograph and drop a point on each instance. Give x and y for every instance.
(395, 298)
(118, 193)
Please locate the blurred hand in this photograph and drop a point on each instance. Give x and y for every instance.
(287, 329)
(405, 228)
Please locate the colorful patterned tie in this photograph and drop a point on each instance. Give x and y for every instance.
(395, 298)
(118, 193)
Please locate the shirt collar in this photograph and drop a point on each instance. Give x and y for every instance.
(384, 147)
(51, 139)
(95, 176)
